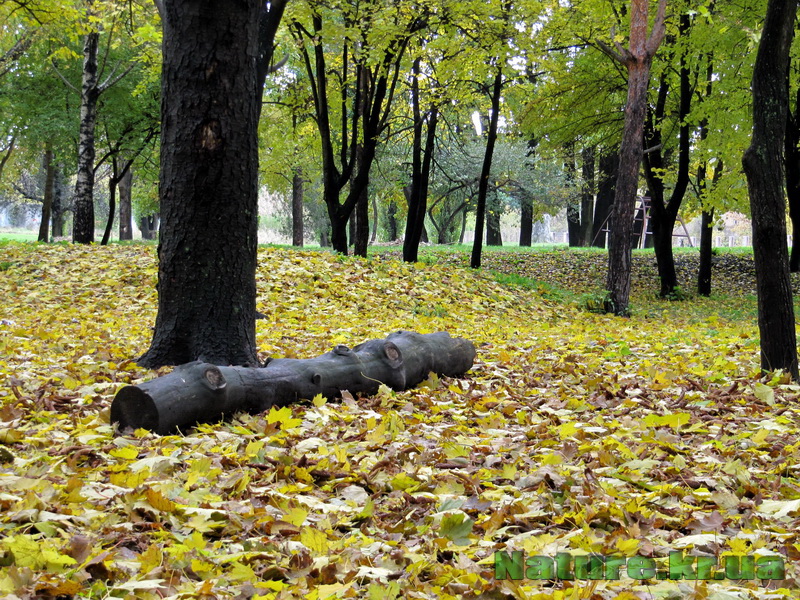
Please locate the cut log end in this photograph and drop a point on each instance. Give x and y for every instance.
(133, 407)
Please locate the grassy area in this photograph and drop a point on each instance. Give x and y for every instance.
(18, 235)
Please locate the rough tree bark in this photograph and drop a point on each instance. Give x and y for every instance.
(763, 166)
(208, 185)
(486, 169)
(637, 60)
(200, 392)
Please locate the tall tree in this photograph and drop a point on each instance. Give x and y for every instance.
(637, 60)
(763, 166)
(208, 184)
(664, 212)
(421, 162)
(372, 38)
(483, 182)
(90, 91)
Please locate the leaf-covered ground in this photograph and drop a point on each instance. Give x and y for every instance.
(574, 432)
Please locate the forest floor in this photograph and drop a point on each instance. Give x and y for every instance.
(575, 433)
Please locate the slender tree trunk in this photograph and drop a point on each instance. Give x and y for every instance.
(587, 196)
(706, 253)
(361, 214)
(351, 230)
(57, 216)
(125, 189)
(608, 168)
(374, 235)
(526, 200)
(526, 220)
(637, 61)
(297, 207)
(707, 217)
(421, 161)
(763, 166)
(208, 185)
(49, 185)
(574, 202)
(486, 169)
(83, 216)
(665, 214)
(113, 182)
(392, 221)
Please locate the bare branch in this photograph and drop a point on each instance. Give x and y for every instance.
(64, 79)
(623, 58)
(110, 82)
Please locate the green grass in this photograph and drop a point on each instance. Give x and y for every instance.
(19, 235)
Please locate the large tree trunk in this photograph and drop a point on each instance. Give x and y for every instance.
(49, 185)
(203, 393)
(494, 236)
(125, 188)
(637, 61)
(148, 225)
(763, 166)
(297, 208)
(486, 169)
(208, 185)
(83, 207)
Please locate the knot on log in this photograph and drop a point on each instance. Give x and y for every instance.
(198, 392)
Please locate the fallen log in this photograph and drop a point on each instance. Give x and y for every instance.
(199, 392)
